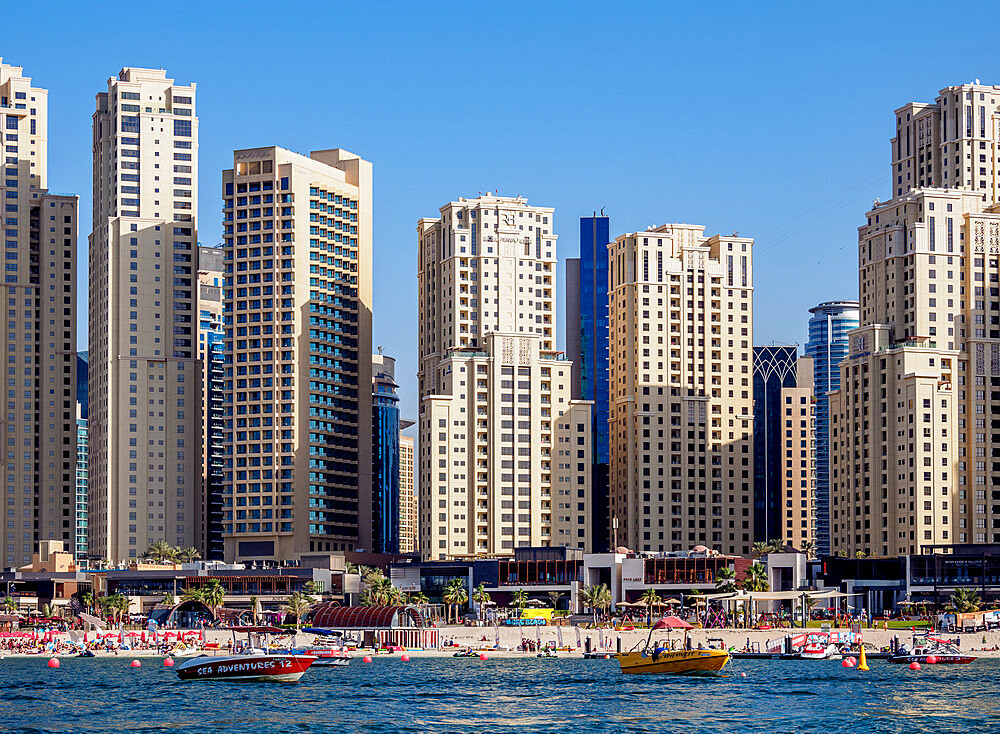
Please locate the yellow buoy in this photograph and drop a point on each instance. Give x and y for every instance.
(862, 663)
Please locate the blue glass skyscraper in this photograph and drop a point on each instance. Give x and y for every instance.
(587, 347)
(827, 346)
(773, 369)
(385, 456)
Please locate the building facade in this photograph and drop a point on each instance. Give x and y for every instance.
(297, 296)
(409, 540)
(951, 144)
(774, 369)
(827, 346)
(386, 497)
(587, 348)
(39, 241)
(911, 434)
(492, 385)
(798, 459)
(145, 426)
(211, 361)
(681, 316)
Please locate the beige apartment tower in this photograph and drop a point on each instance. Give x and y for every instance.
(798, 421)
(913, 440)
(409, 541)
(145, 381)
(500, 440)
(39, 242)
(297, 234)
(681, 325)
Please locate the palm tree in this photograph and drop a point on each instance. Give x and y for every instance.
(725, 580)
(87, 599)
(520, 600)
(760, 549)
(313, 588)
(965, 600)
(121, 605)
(554, 597)
(596, 597)
(419, 598)
(650, 599)
(254, 601)
(188, 555)
(160, 551)
(193, 593)
(168, 600)
(859, 554)
(10, 604)
(298, 604)
(213, 594)
(45, 610)
(452, 597)
(756, 579)
(776, 545)
(809, 548)
(482, 598)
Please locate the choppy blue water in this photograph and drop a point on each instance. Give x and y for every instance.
(448, 695)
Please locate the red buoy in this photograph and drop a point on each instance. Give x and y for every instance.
(53, 663)
(366, 659)
(405, 658)
(135, 664)
(845, 663)
(168, 663)
(914, 665)
(932, 659)
(482, 656)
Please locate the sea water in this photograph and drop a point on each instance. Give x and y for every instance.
(443, 695)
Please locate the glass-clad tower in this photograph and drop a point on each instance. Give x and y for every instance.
(385, 456)
(827, 345)
(587, 347)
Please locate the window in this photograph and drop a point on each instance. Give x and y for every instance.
(182, 128)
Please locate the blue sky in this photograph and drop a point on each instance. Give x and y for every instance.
(764, 118)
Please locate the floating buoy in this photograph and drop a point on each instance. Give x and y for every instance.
(366, 659)
(169, 663)
(914, 665)
(932, 660)
(135, 664)
(743, 675)
(862, 661)
(53, 663)
(845, 663)
(607, 657)
(482, 656)
(405, 658)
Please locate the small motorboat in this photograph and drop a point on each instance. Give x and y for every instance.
(819, 651)
(943, 652)
(86, 654)
(658, 658)
(469, 653)
(326, 657)
(185, 651)
(252, 663)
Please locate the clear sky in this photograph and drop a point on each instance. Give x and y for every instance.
(764, 118)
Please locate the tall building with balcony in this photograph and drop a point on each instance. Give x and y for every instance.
(145, 422)
(497, 451)
(774, 369)
(797, 491)
(297, 299)
(953, 143)
(211, 359)
(827, 346)
(409, 541)
(82, 481)
(681, 325)
(39, 232)
(587, 347)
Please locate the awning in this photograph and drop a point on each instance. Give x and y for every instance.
(778, 595)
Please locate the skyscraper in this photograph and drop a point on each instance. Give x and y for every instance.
(386, 534)
(145, 385)
(774, 368)
(297, 301)
(828, 328)
(798, 460)
(409, 541)
(495, 451)
(211, 358)
(39, 242)
(951, 143)
(82, 449)
(681, 325)
(587, 348)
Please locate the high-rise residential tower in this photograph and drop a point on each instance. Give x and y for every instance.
(409, 541)
(145, 384)
(211, 356)
(827, 346)
(587, 348)
(774, 369)
(39, 243)
(297, 301)
(797, 491)
(499, 455)
(681, 325)
(953, 143)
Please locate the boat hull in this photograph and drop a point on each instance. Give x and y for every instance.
(681, 662)
(942, 659)
(246, 667)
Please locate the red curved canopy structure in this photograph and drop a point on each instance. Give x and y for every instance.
(331, 616)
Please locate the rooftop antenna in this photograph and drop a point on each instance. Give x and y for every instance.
(380, 349)
(602, 211)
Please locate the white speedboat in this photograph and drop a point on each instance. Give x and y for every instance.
(819, 651)
(249, 666)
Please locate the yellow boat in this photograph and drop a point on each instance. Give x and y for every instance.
(680, 662)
